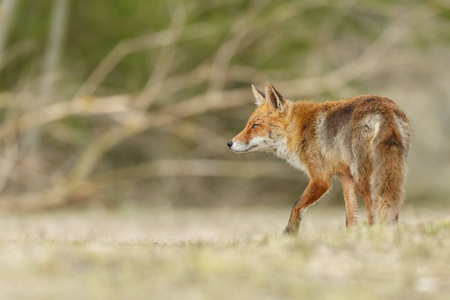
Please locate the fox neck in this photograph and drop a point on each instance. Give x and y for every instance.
(289, 154)
(291, 157)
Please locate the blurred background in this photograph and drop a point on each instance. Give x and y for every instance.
(116, 103)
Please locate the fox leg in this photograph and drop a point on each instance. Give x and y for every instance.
(315, 189)
(367, 197)
(363, 188)
(351, 202)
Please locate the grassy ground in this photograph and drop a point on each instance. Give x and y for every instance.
(221, 254)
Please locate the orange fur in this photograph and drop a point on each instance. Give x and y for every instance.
(363, 140)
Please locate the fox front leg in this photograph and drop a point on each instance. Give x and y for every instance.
(313, 192)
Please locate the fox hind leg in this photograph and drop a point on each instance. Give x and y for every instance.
(368, 202)
(351, 201)
(363, 188)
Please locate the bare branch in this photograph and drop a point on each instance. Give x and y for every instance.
(7, 13)
(53, 112)
(64, 192)
(164, 62)
(125, 47)
(227, 50)
(57, 28)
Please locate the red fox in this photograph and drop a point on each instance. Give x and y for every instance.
(363, 140)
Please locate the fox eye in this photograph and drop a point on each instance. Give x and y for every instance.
(255, 125)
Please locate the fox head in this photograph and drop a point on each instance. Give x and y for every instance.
(266, 128)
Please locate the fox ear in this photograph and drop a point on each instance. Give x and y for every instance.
(275, 97)
(259, 96)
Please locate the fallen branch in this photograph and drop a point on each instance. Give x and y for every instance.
(72, 191)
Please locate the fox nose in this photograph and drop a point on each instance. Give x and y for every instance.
(230, 143)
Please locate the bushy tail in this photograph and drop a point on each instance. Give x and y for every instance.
(388, 179)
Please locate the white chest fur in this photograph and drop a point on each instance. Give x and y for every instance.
(292, 158)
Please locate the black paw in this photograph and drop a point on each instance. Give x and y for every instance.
(290, 231)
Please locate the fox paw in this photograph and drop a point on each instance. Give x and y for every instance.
(290, 231)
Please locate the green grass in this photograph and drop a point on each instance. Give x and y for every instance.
(221, 254)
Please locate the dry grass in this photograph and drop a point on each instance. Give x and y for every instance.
(221, 254)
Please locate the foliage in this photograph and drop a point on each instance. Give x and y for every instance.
(147, 83)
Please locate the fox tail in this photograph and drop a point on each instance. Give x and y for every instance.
(388, 178)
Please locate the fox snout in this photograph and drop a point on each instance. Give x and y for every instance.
(237, 146)
(256, 144)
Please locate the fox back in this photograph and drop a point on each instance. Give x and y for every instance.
(363, 140)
